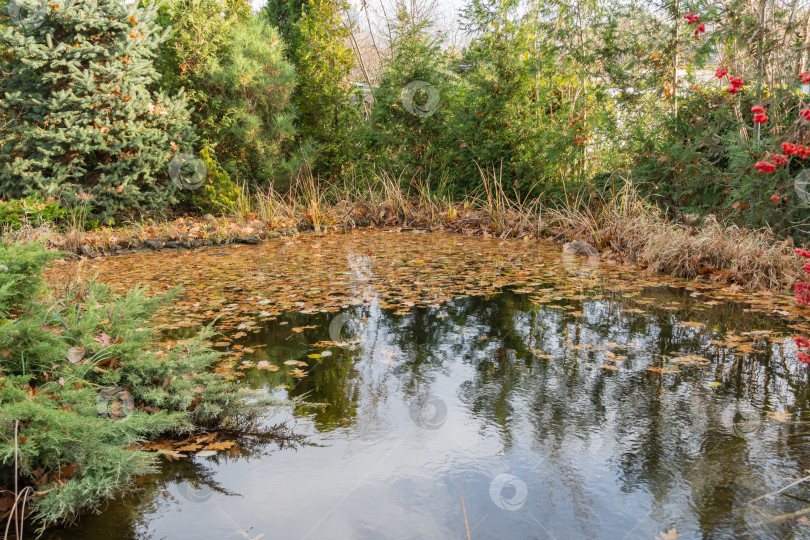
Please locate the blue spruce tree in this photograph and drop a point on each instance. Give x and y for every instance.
(79, 103)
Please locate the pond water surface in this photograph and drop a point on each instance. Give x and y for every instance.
(476, 388)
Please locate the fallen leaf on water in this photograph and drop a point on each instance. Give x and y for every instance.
(189, 448)
(662, 370)
(206, 453)
(222, 445)
(779, 416)
(171, 454)
(264, 364)
(690, 359)
(690, 324)
(299, 329)
(613, 368)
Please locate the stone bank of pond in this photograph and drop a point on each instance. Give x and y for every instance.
(479, 387)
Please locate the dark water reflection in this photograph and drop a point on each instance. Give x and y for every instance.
(498, 415)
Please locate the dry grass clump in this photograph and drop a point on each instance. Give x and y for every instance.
(628, 225)
(28, 233)
(754, 258)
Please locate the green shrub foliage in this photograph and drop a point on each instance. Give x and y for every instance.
(234, 69)
(405, 134)
(31, 210)
(219, 192)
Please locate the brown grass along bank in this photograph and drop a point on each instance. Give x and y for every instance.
(621, 225)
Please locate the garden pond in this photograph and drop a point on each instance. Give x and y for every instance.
(468, 387)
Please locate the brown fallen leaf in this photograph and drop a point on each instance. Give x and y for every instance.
(222, 445)
(662, 370)
(104, 339)
(779, 416)
(75, 354)
(299, 329)
(189, 448)
(171, 455)
(690, 324)
(264, 364)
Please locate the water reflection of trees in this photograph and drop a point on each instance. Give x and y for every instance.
(663, 434)
(666, 432)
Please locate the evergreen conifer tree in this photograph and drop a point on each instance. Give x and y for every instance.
(77, 81)
(328, 122)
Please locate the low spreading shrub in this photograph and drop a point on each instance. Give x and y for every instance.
(81, 382)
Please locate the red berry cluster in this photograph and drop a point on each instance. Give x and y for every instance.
(798, 150)
(802, 342)
(691, 19)
(765, 167)
(789, 149)
(759, 114)
(735, 82)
